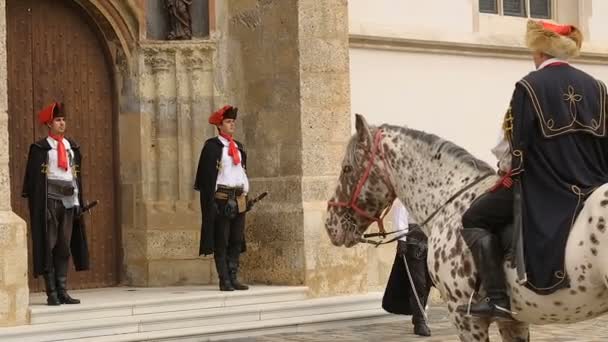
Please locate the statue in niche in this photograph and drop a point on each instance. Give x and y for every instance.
(180, 21)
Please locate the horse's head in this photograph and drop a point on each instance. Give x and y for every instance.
(364, 188)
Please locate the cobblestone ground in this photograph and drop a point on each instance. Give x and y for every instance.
(589, 331)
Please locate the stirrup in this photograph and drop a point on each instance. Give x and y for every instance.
(468, 314)
(496, 307)
(504, 310)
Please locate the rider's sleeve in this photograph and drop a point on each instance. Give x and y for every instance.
(519, 126)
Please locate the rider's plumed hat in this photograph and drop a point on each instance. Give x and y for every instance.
(560, 41)
(226, 112)
(48, 113)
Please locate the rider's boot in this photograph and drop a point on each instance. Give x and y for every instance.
(487, 255)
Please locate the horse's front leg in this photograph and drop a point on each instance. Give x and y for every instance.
(471, 329)
(514, 331)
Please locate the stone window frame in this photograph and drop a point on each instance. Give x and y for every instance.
(527, 15)
(501, 30)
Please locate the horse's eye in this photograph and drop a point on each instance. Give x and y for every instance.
(347, 168)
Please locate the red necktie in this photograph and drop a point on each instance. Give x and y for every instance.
(233, 151)
(62, 154)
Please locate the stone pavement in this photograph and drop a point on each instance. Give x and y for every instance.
(589, 331)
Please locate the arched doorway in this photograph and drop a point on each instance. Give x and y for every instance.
(55, 52)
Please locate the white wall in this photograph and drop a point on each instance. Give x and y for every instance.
(398, 17)
(460, 98)
(598, 23)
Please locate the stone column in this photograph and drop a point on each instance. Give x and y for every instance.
(285, 64)
(176, 94)
(14, 292)
(325, 119)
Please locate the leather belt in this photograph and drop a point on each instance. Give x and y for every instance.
(225, 192)
(59, 188)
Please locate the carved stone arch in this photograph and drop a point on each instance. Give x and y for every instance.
(119, 22)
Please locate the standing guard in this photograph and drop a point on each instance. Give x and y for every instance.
(400, 297)
(53, 187)
(222, 182)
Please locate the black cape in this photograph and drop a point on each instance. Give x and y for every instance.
(396, 298)
(398, 295)
(205, 181)
(35, 190)
(556, 125)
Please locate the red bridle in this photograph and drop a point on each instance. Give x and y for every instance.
(376, 150)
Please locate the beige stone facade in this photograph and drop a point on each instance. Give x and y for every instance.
(14, 291)
(285, 64)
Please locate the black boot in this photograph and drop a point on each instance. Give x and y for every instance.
(419, 276)
(233, 267)
(51, 289)
(487, 254)
(222, 273)
(420, 328)
(61, 267)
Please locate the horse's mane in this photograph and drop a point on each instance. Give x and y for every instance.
(436, 143)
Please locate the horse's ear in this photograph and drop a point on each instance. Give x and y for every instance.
(362, 129)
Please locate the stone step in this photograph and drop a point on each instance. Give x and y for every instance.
(131, 302)
(255, 328)
(209, 322)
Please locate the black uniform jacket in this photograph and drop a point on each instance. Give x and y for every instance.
(206, 177)
(556, 125)
(35, 190)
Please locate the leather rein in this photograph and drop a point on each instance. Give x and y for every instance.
(425, 222)
(377, 150)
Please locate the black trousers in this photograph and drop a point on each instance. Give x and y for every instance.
(492, 211)
(229, 237)
(59, 235)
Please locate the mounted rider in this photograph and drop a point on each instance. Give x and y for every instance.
(552, 156)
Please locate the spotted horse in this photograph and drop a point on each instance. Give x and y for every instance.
(437, 180)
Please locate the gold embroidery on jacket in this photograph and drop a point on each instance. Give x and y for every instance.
(548, 128)
(75, 170)
(572, 98)
(507, 124)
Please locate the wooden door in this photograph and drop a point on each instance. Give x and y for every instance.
(55, 53)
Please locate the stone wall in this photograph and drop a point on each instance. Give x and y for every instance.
(161, 215)
(14, 293)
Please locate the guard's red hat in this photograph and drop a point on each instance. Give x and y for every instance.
(226, 112)
(48, 113)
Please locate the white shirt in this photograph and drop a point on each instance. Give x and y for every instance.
(230, 174)
(502, 150)
(400, 218)
(54, 172)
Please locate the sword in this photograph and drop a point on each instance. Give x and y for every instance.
(88, 207)
(251, 202)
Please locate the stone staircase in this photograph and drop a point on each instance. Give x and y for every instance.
(191, 314)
